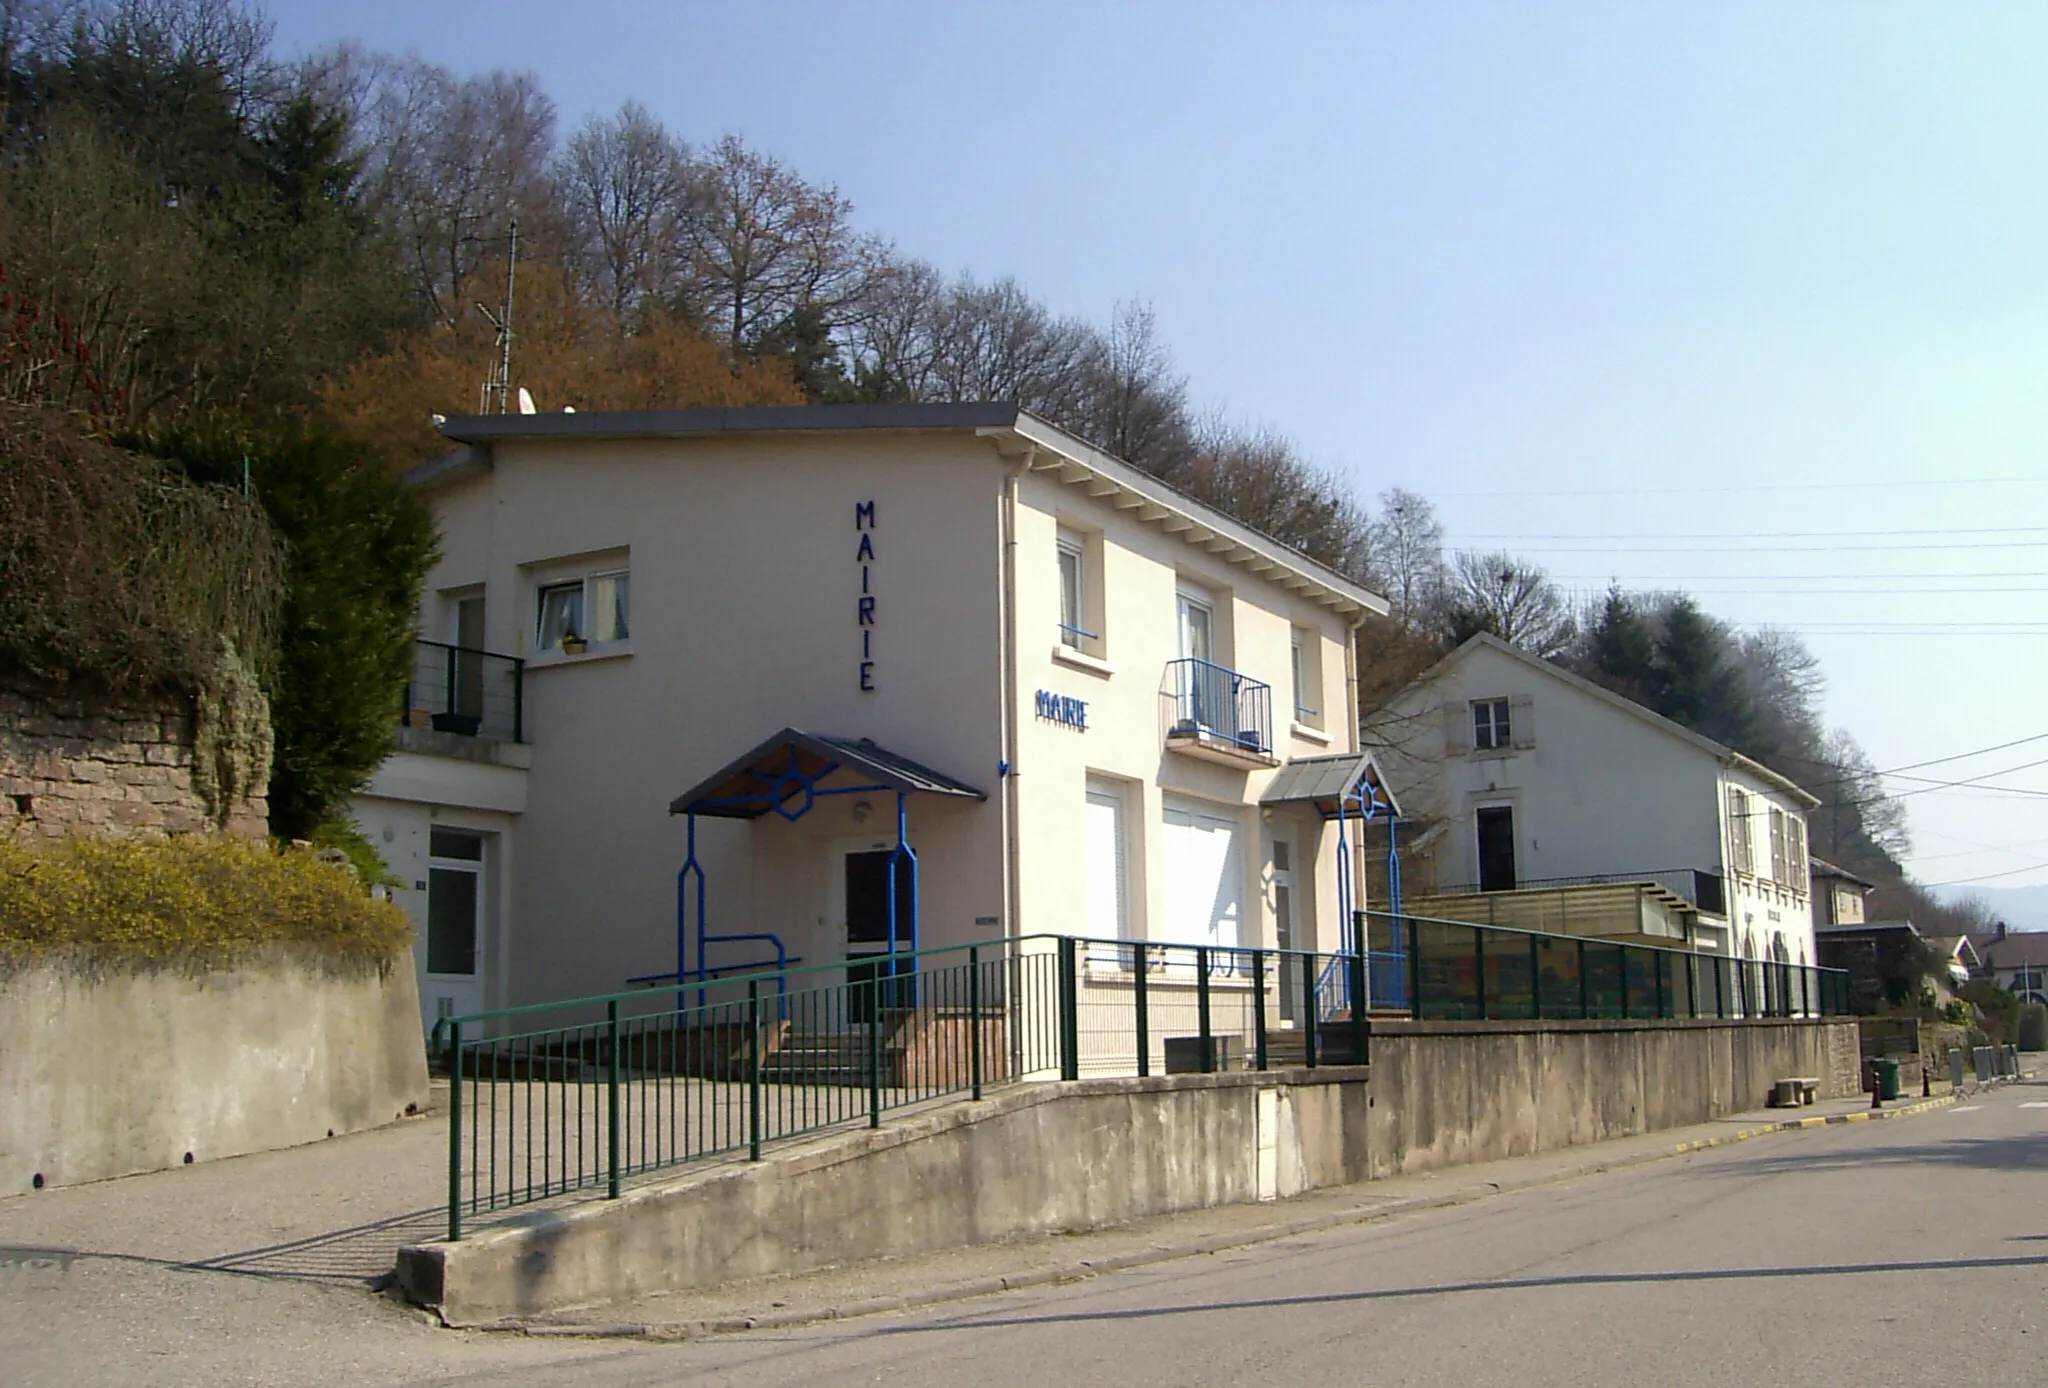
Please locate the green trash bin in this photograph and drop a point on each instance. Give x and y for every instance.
(1887, 1071)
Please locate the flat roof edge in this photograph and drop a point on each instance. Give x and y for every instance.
(747, 419)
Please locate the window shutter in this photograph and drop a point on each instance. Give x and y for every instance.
(1457, 729)
(1522, 721)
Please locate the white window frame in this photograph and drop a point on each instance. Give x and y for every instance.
(1306, 665)
(1780, 872)
(1071, 556)
(1498, 718)
(586, 584)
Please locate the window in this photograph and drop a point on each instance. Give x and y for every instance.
(1795, 852)
(593, 610)
(1307, 668)
(1490, 724)
(1780, 872)
(1073, 555)
(1739, 855)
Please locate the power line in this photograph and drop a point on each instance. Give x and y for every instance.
(1795, 534)
(1985, 877)
(2005, 480)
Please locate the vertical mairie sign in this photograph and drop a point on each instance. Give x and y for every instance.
(864, 555)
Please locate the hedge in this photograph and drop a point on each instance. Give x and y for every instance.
(202, 900)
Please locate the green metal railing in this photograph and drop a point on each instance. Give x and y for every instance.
(1438, 970)
(558, 1098)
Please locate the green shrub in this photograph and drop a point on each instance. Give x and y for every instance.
(200, 899)
(2034, 1027)
(358, 548)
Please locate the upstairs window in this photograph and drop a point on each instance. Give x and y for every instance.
(1740, 858)
(1780, 868)
(1307, 670)
(1490, 728)
(593, 610)
(1073, 555)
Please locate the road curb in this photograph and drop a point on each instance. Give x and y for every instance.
(1161, 1253)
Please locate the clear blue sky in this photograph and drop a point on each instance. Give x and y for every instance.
(1653, 275)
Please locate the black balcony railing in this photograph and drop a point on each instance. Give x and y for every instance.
(454, 689)
(1217, 705)
(1703, 889)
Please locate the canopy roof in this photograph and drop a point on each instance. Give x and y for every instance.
(788, 768)
(1322, 781)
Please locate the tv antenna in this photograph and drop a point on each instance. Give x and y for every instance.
(499, 382)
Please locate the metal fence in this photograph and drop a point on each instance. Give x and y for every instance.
(454, 689)
(557, 1098)
(1444, 970)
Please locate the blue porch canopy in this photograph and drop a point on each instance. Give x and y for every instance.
(786, 776)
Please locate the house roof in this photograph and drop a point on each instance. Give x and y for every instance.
(1036, 444)
(2029, 947)
(1727, 756)
(788, 768)
(1821, 867)
(1864, 927)
(1957, 947)
(1322, 780)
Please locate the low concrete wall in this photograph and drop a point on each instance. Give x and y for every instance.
(114, 1072)
(1040, 1158)
(1037, 1158)
(1450, 1093)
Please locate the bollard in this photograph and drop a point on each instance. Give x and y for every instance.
(1926, 1083)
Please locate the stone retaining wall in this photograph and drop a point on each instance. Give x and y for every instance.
(72, 765)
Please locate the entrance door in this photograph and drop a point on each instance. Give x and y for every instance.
(1283, 930)
(468, 694)
(867, 932)
(1497, 849)
(451, 968)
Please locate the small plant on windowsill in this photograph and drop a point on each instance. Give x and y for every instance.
(572, 644)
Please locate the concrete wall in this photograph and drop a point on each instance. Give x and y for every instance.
(1446, 1094)
(110, 1073)
(1035, 1159)
(1041, 1158)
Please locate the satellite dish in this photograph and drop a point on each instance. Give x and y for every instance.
(438, 418)
(526, 405)
(568, 409)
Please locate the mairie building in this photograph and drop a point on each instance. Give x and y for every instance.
(701, 691)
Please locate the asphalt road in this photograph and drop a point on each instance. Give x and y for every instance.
(1912, 1252)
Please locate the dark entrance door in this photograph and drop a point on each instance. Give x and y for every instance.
(1497, 849)
(867, 934)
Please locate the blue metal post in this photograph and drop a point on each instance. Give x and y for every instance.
(904, 854)
(690, 865)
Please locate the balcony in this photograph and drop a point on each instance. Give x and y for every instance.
(458, 694)
(1218, 714)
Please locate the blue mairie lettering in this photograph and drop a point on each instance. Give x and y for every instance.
(864, 606)
(1062, 709)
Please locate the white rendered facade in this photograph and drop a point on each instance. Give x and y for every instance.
(1579, 783)
(968, 587)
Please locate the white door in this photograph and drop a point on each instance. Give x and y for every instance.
(1197, 624)
(1108, 880)
(451, 955)
(1204, 875)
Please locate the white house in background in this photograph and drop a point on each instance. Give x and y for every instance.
(1531, 778)
(755, 643)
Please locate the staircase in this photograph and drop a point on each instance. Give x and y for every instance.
(822, 1057)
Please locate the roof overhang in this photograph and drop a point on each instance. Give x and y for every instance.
(1347, 780)
(1016, 434)
(786, 773)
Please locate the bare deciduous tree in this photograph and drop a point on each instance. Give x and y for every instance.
(1408, 558)
(624, 184)
(1512, 598)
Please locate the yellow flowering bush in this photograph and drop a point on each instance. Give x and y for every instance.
(200, 898)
